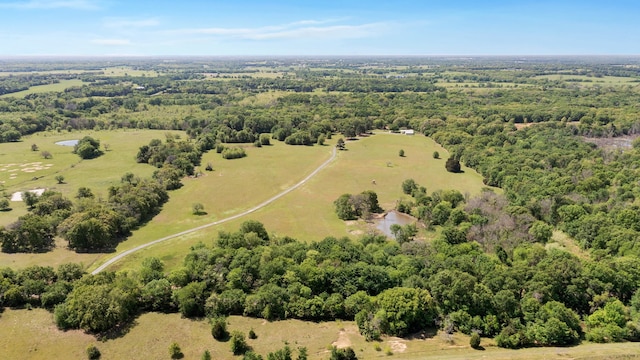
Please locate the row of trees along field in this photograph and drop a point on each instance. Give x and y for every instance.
(531, 296)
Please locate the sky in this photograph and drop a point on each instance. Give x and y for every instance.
(318, 27)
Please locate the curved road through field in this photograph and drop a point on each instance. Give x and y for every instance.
(257, 207)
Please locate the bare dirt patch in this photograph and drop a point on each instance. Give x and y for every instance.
(522, 125)
(397, 345)
(343, 340)
(613, 143)
(17, 196)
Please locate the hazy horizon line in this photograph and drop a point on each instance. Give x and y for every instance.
(459, 56)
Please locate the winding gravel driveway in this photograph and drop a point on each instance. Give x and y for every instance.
(257, 207)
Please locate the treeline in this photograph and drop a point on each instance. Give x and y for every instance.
(351, 105)
(534, 296)
(15, 83)
(89, 224)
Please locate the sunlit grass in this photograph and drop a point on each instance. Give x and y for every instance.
(32, 335)
(97, 174)
(307, 213)
(58, 87)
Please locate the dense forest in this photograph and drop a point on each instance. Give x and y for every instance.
(539, 129)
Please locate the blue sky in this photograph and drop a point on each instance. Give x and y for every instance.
(320, 27)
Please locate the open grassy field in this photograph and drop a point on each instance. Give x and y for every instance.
(61, 86)
(236, 75)
(22, 169)
(118, 71)
(591, 80)
(308, 212)
(33, 335)
(234, 186)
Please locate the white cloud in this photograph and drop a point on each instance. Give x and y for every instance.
(125, 23)
(294, 30)
(337, 31)
(53, 4)
(111, 42)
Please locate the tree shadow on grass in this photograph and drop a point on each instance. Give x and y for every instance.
(424, 334)
(96, 251)
(117, 332)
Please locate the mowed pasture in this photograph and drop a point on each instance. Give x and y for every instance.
(120, 71)
(306, 213)
(57, 87)
(33, 335)
(232, 187)
(22, 169)
(584, 80)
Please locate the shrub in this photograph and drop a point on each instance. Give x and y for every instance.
(436, 155)
(238, 343)
(401, 153)
(474, 341)
(5, 204)
(219, 328)
(197, 208)
(343, 354)
(233, 153)
(93, 353)
(409, 186)
(252, 335)
(265, 139)
(250, 355)
(175, 352)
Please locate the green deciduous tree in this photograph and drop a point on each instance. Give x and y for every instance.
(190, 299)
(87, 148)
(404, 310)
(99, 304)
(452, 165)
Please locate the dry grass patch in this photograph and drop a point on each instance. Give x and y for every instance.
(33, 335)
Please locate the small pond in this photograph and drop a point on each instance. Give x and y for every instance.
(68, 142)
(392, 217)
